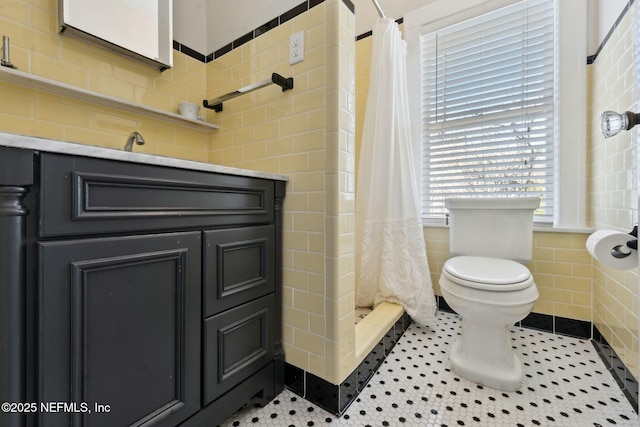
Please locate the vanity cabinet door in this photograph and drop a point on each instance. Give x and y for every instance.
(120, 322)
(239, 266)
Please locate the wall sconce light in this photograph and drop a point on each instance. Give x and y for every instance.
(611, 123)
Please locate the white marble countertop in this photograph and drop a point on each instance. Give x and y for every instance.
(53, 146)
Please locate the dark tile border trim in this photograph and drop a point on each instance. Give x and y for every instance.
(270, 25)
(592, 58)
(293, 12)
(628, 384)
(266, 27)
(370, 33)
(572, 327)
(364, 35)
(543, 322)
(189, 52)
(350, 5)
(336, 398)
(443, 306)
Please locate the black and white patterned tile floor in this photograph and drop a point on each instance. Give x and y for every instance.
(566, 384)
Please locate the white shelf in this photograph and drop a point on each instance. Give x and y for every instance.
(31, 81)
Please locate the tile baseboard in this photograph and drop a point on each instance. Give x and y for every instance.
(625, 379)
(543, 322)
(336, 398)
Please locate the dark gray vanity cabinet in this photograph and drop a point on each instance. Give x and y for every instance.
(136, 294)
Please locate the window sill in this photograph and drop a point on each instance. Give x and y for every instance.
(537, 228)
(542, 228)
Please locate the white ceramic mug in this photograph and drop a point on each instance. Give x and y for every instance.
(189, 110)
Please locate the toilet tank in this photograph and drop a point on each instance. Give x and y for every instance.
(492, 227)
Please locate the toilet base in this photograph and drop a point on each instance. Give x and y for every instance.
(508, 377)
(484, 354)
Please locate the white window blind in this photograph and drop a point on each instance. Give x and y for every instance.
(488, 108)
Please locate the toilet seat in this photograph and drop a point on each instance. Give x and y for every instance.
(484, 273)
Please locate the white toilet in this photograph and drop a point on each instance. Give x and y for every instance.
(485, 285)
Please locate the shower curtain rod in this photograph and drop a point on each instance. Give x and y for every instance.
(380, 9)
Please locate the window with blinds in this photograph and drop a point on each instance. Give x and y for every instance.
(488, 108)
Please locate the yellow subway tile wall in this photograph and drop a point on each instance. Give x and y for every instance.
(613, 79)
(37, 48)
(307, 134)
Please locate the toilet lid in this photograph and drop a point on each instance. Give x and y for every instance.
(490, 271)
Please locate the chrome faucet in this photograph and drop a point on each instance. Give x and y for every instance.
(133, 137)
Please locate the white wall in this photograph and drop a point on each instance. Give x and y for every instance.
(602, 15)
(367, 14)
(190, 24)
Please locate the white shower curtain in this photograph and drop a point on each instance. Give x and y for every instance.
(392, 258)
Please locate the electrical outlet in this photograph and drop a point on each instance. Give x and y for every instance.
(296, 48)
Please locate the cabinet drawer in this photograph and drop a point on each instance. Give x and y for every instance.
(237, 343)
(239, 265)
(88, 196)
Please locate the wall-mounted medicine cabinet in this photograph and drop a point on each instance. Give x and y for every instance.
(140, 29)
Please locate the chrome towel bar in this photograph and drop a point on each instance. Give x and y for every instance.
(283, 82)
